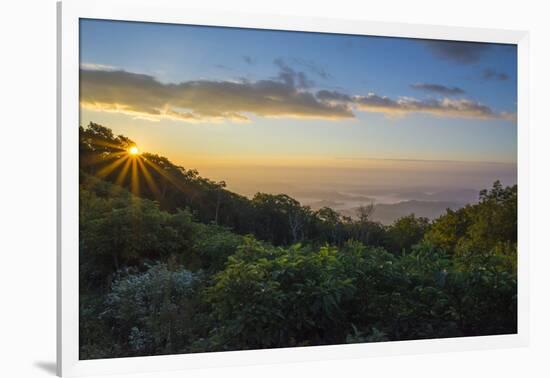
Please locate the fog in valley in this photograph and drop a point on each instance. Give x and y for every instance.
(396, 187)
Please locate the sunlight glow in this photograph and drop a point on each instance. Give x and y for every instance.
(131, 170)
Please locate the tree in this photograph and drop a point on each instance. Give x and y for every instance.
(281, 219)
(364, 212)
(330, 224)
(482, 227)
(406, 232)
(220, 186)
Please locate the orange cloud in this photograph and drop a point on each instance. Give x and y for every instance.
(200, 101)
(288, 95)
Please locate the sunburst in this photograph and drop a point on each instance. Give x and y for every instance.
(133, 169)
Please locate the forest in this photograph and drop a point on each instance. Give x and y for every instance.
(172, 262)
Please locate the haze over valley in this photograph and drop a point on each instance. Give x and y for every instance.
(397, 188)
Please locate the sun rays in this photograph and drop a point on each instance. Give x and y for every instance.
(130, 168)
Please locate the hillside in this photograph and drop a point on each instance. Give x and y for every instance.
(179, 272)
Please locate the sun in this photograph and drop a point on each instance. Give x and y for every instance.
(133, 150)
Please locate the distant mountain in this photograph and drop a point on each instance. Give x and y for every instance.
(388, 213)
(325, 195)
(448, 195)
(325, 203)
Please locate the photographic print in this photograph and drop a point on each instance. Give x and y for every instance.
(247, 189)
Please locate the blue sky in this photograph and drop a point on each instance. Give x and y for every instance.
(176, 53)
(213, 96)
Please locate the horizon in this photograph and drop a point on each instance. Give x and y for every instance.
(288, 112)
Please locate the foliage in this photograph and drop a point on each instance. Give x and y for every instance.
(269, 297)
(489, 224)
(188, 266)
(152, 312)
(406, 232)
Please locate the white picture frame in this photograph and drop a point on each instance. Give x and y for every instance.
(69, 13)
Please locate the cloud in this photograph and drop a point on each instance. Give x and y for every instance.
(334, 96)
(455, 108)
(458, 52)
(287, 95)
(292, 77)
(492, 74)
(143, 96)
(438, 88)
(97, 67)
(313, 67)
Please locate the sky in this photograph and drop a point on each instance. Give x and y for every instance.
(264, 109)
